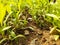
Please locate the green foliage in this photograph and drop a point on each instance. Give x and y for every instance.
(3, 40)
(12, 11)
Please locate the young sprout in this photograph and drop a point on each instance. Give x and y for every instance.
(53, 30)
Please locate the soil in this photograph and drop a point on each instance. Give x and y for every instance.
(36, 37)
(39, 37)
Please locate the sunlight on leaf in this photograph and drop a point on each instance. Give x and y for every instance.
(3, 40)
(53, 30)
(18, 36)
(2, 12)
(56, 37)
(6, 28)
(8, 8)
(52, 15)
(12, 33)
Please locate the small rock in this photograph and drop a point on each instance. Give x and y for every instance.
(26, 32)
(30, 19)
(33, 42)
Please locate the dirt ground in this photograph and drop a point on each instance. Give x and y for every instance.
(39, 37)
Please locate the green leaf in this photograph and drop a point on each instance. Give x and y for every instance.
(18, 36)
(56, 37)
(1, 41)
(12, 34)
(7, 17)
(52, 15)
(2, 12)
(58, 30)
(53, 30)
(8, 8)
(6, 28)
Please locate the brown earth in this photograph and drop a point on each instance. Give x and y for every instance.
(36, 37)
(39, 37)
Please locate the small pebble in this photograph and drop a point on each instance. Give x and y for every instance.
(26, 32)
